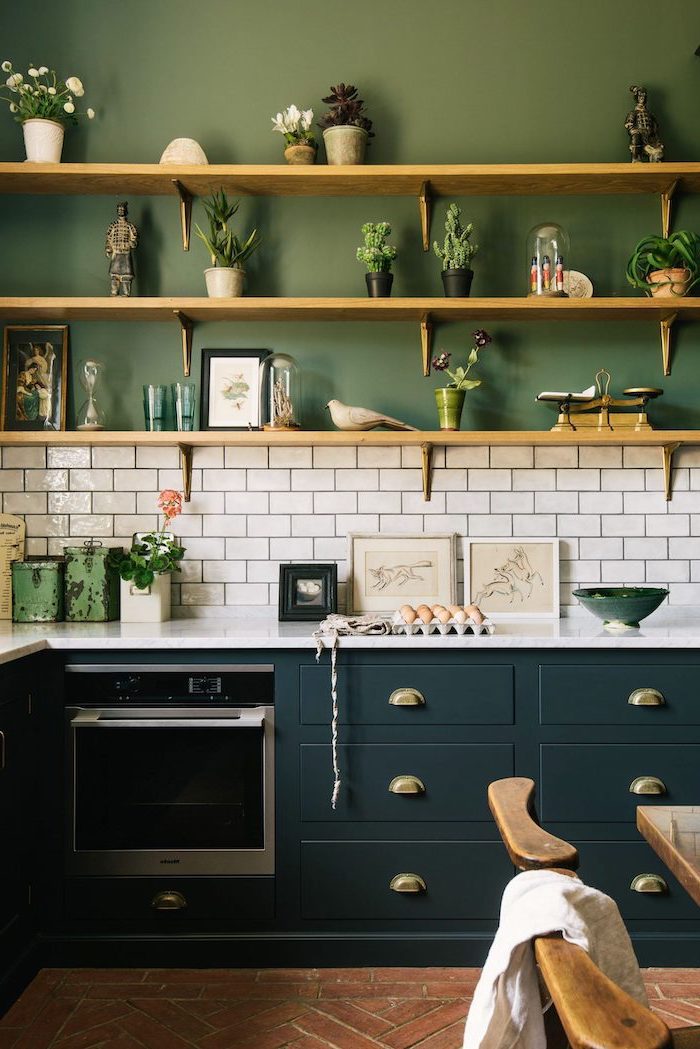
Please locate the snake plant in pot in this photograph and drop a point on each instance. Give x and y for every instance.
(224, 278)
(665, 266)
(456, 253)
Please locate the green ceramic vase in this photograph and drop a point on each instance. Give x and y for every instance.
(449, 405)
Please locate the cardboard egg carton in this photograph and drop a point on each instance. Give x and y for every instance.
(398, 626)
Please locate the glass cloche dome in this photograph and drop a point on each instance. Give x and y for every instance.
(547, 256)
(280, 393)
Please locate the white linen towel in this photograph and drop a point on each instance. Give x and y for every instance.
(507, 1009)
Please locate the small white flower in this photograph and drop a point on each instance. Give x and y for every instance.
(306, 118)
(43, 87)
(91, 114)
(13, 108)
(6, 66)
(292, 118)
(43, 70)
(75, 85)
(278, 123)
(33, 71)
(69, 107)
(14, 81)
(52, 90)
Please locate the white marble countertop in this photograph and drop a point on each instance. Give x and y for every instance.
(666, 629)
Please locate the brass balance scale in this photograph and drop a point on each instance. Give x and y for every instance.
(598, 400)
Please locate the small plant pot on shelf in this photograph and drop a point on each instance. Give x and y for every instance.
(457, 282)
(300, 154)
(345, 144)
(379, 285)
(449, 405)
(224, 282)
(151, 605)
(43, 140)
(665, 283)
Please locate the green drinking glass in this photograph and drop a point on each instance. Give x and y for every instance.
(184, 404)
(154, 406)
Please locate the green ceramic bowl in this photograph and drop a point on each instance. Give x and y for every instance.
(621, 606)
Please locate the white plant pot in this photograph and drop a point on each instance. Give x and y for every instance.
(146, 606)
(223, 283)
(345, 144)
(43, 140)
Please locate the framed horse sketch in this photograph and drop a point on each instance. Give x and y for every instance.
(510, 578)
(387, 571)
(34, 370)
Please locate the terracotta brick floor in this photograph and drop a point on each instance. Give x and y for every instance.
(271, 1008)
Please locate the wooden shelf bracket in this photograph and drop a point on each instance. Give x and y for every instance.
(186, 463)
(425, 201)
(426, 462)
(668, 451)
(426, 342)
(186, 328)
(666, 206)
(186, 199)
(665, 325)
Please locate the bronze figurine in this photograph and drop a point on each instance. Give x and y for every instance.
(121, 239)
(643, 130)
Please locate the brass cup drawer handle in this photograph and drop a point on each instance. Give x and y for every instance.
(647, 785)
(412, 884)
(646, 697)
(411, 785)
(170, 900)
(649, 883)
(406, 697)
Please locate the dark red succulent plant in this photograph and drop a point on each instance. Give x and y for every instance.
(345, 109)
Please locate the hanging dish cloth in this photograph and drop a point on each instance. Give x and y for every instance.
(334, 627)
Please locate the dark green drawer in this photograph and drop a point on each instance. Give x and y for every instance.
(455, 777)
(461, 694)
(350, 880)
(611, 866)
(131, 899)
(599, 695)
(589, 782)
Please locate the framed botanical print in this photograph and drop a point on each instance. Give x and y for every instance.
(308, 593)
(387, 571)
(231, 389)
(512, 578)
(34, 377)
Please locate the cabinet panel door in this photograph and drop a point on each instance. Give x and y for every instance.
(612, 865)
(16, 760)
(593, 694)
(142, 899)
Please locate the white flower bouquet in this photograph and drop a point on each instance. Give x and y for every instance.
(40, 94)
(295, 125)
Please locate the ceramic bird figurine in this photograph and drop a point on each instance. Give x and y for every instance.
(349, 417)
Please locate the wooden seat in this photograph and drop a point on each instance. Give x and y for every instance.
(591, 1011)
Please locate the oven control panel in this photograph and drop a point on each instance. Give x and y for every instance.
(157, 684)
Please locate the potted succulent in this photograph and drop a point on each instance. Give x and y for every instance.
(456, 253)
(295, 125)
(450, 398)
(224, 278)
(346, 130)
(43, 105)
(665, 266)
(145, 571)
(377, 256)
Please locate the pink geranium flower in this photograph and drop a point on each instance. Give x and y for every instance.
(170, 504)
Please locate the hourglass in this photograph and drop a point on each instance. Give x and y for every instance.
(90, 416)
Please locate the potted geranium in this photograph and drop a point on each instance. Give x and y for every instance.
(295, 125)
(665, 266)
(450, 398)
(346, 130)
(43, 105)
(377, 256)
(146, 570)
(456, 253)
(224, 279)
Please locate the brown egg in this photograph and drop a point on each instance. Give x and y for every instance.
(408, 613)
(437, 608)
(454, 609)
(475, 613)
(423, 608)
(425, 614)
(444, 616)
(460, 616)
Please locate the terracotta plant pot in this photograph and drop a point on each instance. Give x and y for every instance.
(300, 154)
(223, 282)
(379, 285)
(449, 405)
(457, 282)
(345, 144)
(43, 140)
(669, 282)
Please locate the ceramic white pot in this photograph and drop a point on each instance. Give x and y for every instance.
(345, 144)
(223, 283)
(151, 605)
(43, 140)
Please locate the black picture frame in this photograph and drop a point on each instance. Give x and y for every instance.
(298, 608)
(207, 406)
(34, 377)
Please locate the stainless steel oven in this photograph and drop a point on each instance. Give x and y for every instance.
(170, 768)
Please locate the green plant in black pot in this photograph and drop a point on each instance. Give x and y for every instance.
(665, 266)
(377, 256)
(456, 253)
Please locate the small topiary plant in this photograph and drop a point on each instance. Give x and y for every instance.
(376, 254)
(457, 250)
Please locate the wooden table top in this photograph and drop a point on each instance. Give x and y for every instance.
(674, 834)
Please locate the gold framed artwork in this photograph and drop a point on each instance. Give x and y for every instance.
(511, 578)
(34, 377)
(387, 571)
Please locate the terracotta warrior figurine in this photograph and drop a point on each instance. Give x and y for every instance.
(121, 239)
(643, 130)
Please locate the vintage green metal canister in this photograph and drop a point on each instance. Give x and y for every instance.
(92, 583)
(37, 590)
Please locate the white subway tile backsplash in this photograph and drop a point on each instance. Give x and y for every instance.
(212, 458)
(451, 480)
(67, 456)
(400, 523)
(92, 524)
(313, 480)
(160, 458)
(269, 524)
(295, 549)
(246, 502)
(298, 458)
(490, 524)
(269, 480)
(173, 479)
(411, 457)
(46, 480)
(291, 502)
(468, 502)
(204, 503)
(489, 480)
(214, 480)
(680, 480)
(313, 524)
(34, 458)
(190, 572)
(110, 457)
(326, 549)
(263, 572)
(640, 456)
(77, 503)
(188, 524)
(202, 593)
(512, 502)
(668, 571)
(648, 548)
(578, 480)
(213, 549)
(580, 571)
(330, 458)
(247, 594)
(345, 523)
(376, 457)
(48, 525)
(135, 480)
(224, 524)
(559, 456)
(414, 503)
(602, 549)
(127, 524)
(226, 571)
(684, 503)
(36, 547)
(534, 524)
(622, 524)
(668, 524)
(578, 524)
(518, 456)
(249, 549)
(622, 572)
(458, 457)
(644, 503)
(534, 480)
(346, 502)
(406, 480)
(600, 502)
(622, 480)
(248, 458)
(357, 480)
(11, 480)
(29, 503)
(684, 594)
(602, 457)
(685, 546)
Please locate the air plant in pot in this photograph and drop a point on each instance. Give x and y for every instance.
(665, 266)
(346, 130)
(224, 278)
(377, 256)
(295, 125)
(450, 398)
(456, 253)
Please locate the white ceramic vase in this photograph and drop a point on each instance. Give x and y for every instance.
(345, 144)
(151, 605)
(223, 282)
(43, 140)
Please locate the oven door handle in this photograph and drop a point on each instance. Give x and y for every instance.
(92, 719)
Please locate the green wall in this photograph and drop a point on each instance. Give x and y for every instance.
(455, 82)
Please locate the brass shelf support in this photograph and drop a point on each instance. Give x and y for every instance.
(666, 205)
(665, 325)
(186, 199)
(426, 342)
(426, 462)
(186, 328)
(425, 201)
(186, 463)
(668, 451)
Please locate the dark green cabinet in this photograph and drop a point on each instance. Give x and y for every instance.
(609, 694)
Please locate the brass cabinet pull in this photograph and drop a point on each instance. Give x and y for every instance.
(408, 883)
(651, 883)
(647, 785)
(646, 697)
(406, 697)
(2, 751)
(170, 900)
(406, 785)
